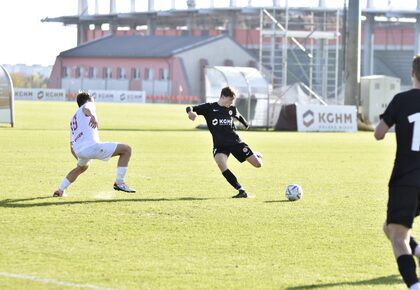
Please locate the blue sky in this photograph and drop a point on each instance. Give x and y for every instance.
(25, 39)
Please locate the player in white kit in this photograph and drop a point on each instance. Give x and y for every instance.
(85, 146)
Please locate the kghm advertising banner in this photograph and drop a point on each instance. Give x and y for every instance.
(326, 118)
(40, 94)
(6, 97)
(118, 96)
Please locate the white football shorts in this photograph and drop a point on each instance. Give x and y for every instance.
(100, 151)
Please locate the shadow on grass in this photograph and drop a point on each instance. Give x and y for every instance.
(150, 129)
(16, 203)
(386, 280)
(108, 129)
(272, 201)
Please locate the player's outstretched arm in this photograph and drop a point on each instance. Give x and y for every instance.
(191, 114)
(241, 119)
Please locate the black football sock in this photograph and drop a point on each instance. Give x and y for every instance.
(413, 245)
(407, 268)
(231, 178)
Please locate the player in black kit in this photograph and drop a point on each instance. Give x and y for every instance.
(404, 184)
(219, 117)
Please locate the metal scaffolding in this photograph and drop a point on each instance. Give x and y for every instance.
(303, 48)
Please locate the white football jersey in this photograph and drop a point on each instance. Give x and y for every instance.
(81, 134)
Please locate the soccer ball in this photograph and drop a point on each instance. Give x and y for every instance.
(294, 192)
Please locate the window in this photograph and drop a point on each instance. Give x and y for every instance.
(66, 72)
(93, 72)
(163, 74)
(80, 72)
(148, 74)
(107, 72)
(121, 73)
(135, 73)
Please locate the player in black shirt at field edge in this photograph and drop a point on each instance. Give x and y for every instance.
(404, 184)
(219, 117)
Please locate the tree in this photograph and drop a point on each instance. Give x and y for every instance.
(29, 81)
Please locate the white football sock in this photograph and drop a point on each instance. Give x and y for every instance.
(415, 286)
(64, 184)
(121, 171)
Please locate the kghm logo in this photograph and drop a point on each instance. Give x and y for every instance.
(227, 122)
(40, 95)
(221, 122)
(308, 118)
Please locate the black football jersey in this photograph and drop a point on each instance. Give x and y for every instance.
(220, 123)
(404, 112)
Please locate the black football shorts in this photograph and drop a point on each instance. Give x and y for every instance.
(241, 151)
(403, 205)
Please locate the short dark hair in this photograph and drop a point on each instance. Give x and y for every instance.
(82, 98)
(228, 92)
(416, 66)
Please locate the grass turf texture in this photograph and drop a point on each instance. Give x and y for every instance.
(182, 229)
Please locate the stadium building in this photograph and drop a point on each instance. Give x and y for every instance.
(288, 44)
(164, 66)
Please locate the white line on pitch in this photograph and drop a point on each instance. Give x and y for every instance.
(52, 281)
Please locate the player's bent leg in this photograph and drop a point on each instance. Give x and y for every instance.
(124, 151)
(255, 161)
(386, 231)
(400, 239)
(221, 161)
(73, 174)
(414, 246)
(69, 179)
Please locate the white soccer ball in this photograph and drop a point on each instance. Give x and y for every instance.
(294, 192)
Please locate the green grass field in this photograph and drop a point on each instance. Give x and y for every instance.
(182, 229)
